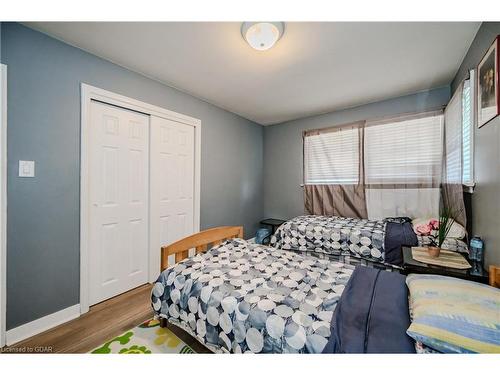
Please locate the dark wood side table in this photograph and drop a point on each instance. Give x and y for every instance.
(273, 223)
(411, 265)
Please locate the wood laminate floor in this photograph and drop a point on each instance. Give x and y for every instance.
(104, 321)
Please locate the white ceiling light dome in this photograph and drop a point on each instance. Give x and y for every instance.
(262, 35)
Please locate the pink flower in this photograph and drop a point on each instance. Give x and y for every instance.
(424, 229)
(434, 224)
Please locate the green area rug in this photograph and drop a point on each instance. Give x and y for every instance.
(146, 338)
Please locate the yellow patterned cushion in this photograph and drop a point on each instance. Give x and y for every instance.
(454, 316)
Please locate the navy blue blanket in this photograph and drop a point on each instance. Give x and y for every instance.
(372, 315)
(398, 233)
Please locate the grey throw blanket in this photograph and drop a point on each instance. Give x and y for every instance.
(372, 315)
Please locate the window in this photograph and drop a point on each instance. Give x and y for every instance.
(332, 156)
(408, 151)
(468, 131)
(453, 138)
(405, 150)
(459, 128)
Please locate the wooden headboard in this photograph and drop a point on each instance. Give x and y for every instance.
(199, 241)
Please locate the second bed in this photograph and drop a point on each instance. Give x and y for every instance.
(374, 241)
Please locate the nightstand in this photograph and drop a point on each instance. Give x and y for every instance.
(412, 266)
(273, 223)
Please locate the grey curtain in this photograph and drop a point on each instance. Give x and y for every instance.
(453, 199)
(336, 200)
(451, 188)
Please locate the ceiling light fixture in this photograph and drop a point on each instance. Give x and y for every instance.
(262, 35)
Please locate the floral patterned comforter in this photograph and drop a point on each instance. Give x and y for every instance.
(242, 297)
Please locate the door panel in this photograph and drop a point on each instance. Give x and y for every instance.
(108, 270)
(172, 183)
(119, 198)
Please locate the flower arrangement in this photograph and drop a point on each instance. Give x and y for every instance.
(438, 229)
(428, 229)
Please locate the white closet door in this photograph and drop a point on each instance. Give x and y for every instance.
(119, 191)
(172, 183)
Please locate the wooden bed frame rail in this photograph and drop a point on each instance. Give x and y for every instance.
(201, 241)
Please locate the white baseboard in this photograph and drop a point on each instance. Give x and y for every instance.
(45, 323)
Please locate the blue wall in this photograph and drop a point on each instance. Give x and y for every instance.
(44, 125)
(486, 196)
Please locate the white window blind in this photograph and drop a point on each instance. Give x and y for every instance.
(332, 157)
(453, 137)
(467, 132)
(404, 152)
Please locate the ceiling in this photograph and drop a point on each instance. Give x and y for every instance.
(314, 68)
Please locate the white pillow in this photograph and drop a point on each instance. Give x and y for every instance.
(457, 231)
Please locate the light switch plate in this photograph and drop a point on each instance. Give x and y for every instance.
(26, 168)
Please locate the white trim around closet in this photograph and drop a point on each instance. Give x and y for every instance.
(3, 203)
(89, 93)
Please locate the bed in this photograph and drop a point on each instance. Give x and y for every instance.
(353, 240)
(376, 241)
(238, 297)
